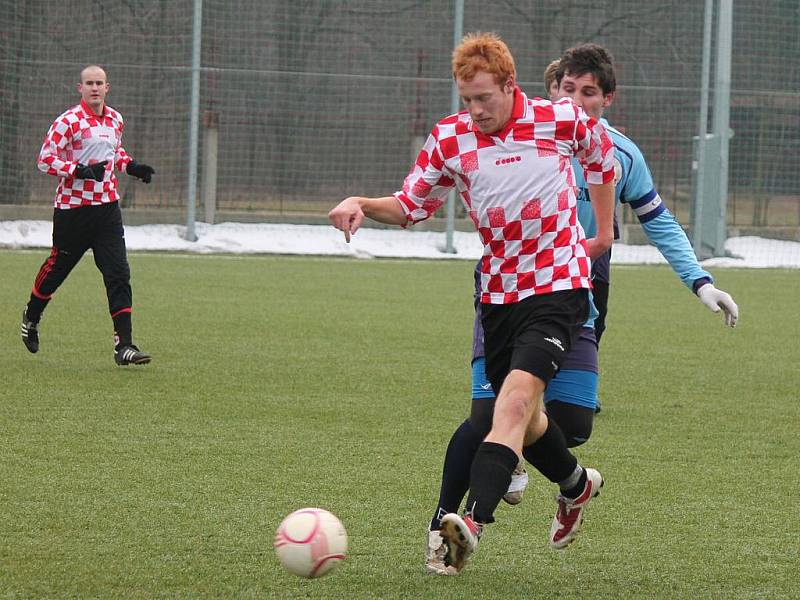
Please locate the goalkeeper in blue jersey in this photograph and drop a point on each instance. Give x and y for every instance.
(586, 74)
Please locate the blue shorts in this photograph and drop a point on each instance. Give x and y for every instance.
(573, 387)
(575, 383)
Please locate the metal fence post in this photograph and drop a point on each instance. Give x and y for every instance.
(194, 117)
(455, 104)
(210, 153)
(722, 109)
(700, 159)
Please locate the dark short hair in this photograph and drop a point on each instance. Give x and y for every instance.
(589, 58)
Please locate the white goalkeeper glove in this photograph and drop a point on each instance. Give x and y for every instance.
(716, 299)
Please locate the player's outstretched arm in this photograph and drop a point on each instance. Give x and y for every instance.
(717, 300)
(349, 214)
(667, 235)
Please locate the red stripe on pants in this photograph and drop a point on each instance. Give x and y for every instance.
(43, 273)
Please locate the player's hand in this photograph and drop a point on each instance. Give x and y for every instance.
(96, 171)
(717, 300)
(140, 170)
(597, 246)
(347, 216)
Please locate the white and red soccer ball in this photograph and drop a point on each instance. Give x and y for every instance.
(310, 542)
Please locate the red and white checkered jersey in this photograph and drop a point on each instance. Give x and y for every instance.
(80, 136)
(519, 189)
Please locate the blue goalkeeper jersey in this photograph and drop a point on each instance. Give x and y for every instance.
(634, 187)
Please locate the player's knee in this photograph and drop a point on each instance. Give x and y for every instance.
(516, 406)
(575, 421)
(578, 437)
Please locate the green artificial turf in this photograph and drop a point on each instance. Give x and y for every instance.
(284, 382)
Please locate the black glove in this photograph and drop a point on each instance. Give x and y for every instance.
(95, 171)
(142, 171)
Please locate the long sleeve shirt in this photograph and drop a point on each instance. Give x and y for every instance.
(80, 136)
(634, 187)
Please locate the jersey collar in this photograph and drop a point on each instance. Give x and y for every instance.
(88, 109)
(517, 112)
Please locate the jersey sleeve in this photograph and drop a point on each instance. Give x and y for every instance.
(54, 157)
(121, 158)
(595, 149)
(636, 187)
(426, 186)
(660, 227)
(666, 234)
(636, 181)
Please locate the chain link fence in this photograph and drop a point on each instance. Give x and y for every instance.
(312, 100)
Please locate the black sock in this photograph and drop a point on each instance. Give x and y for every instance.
(123, 329)
(489, 479)
(455, 473)
(35, 308)
(550, 455)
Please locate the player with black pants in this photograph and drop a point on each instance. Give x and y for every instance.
(82, 148)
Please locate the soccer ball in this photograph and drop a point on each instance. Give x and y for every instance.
(310, 542)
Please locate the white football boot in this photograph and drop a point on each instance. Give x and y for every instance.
(435, 553)
(519, 481)
(461, 536)
(569, 515)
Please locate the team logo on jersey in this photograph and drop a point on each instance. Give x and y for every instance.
(655, 203)
(508, 161)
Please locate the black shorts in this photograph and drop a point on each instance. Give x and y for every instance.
(533, 335)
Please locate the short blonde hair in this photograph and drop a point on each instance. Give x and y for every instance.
(551, 74)
(483, 52)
